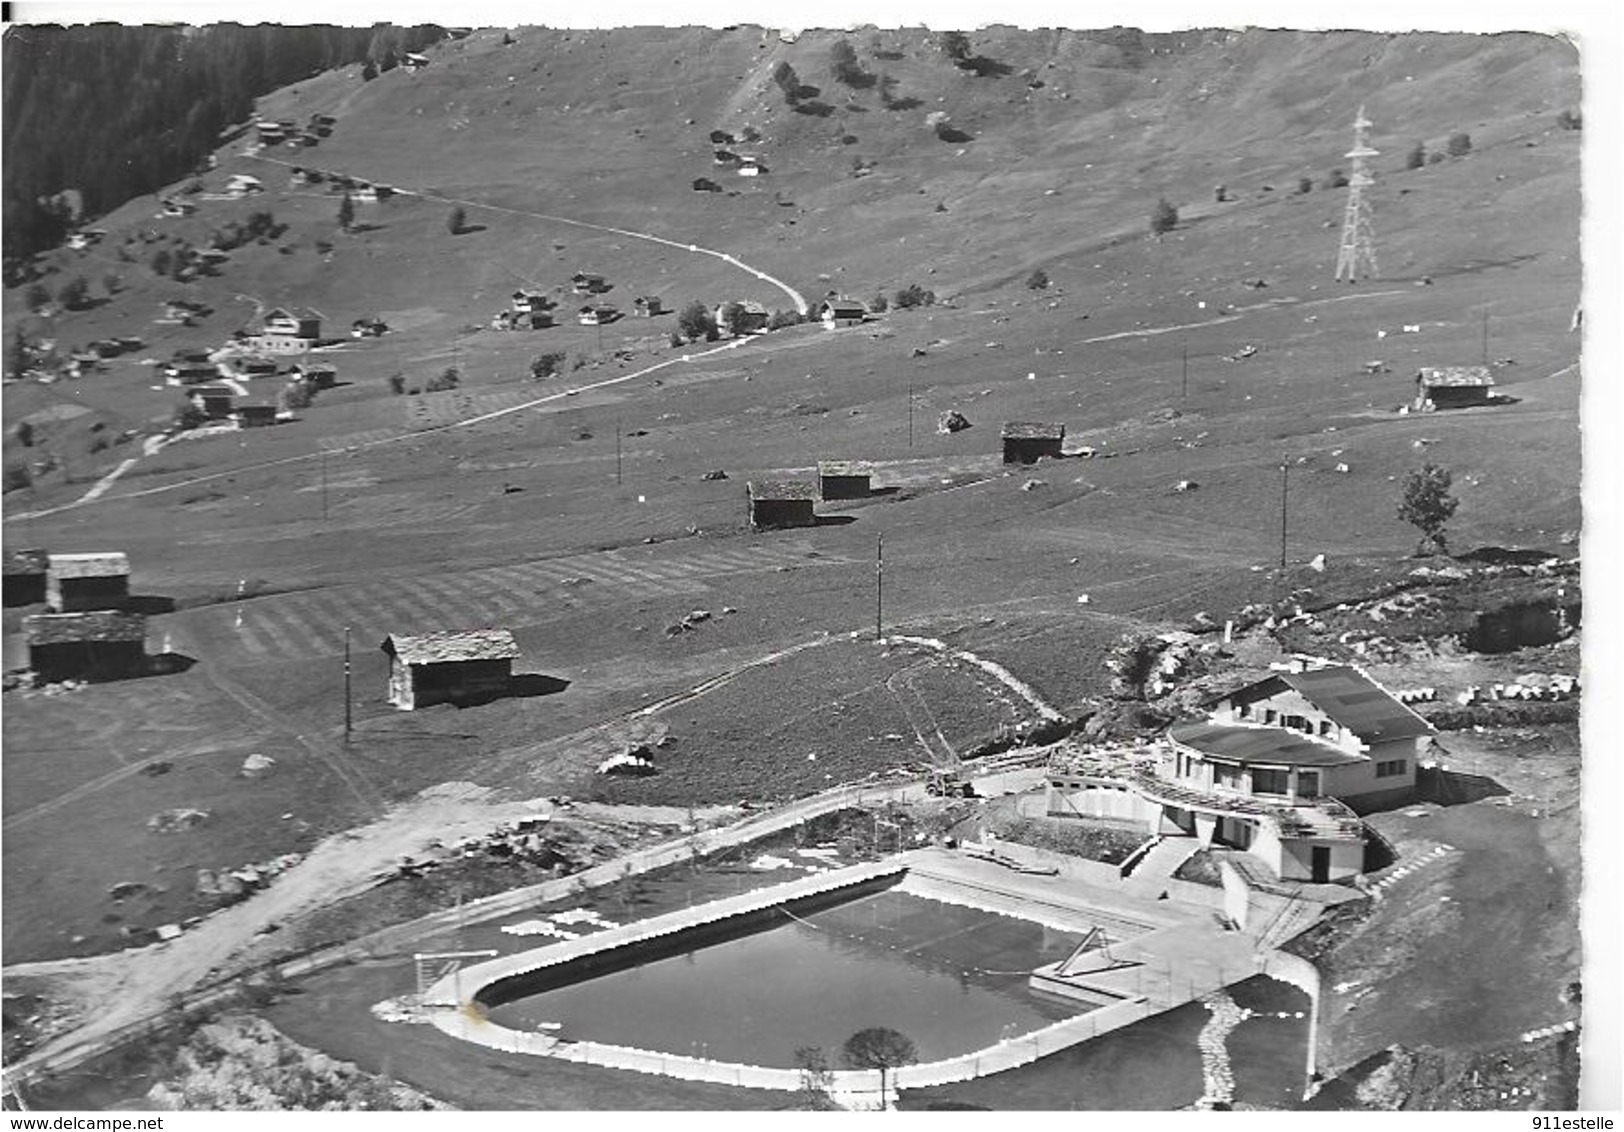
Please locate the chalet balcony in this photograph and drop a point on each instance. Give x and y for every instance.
(1317, 817)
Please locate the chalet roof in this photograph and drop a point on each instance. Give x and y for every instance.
(93, 625)
(1439, 376)
(1033, 430)
(298, 314)
(581, 275)
(105, 564)
(844, 468)
(781, 489)
(212, 391)
(1270, 746)
(312, 367)
(256, 409)
(450, 646)
(1350, 698)
(26, 562)
(846, 305)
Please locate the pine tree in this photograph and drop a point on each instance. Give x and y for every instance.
(1164, 218)
(457, 221)
(346, 212)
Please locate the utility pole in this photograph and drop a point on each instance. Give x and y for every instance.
(617, 453)
(910, 414)
(1485, 335)
(879, 582)
(1357, 254)
(1284, 471)
(324, 485)
(347, 717)
(1184, 393)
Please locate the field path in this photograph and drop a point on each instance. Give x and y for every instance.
(795, 296)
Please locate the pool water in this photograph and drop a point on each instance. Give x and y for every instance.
(952, 979)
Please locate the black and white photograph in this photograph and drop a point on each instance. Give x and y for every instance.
(755, 560)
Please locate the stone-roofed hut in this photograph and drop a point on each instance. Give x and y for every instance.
(96, 645)
(25, 572)
(843, 479)
(787, 503)
(452, 666)
(77, 582)
(1453, 387)
(1026, 442)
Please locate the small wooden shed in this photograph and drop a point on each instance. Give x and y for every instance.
(837, 313)
(449, 666)
(101, 644)
(25, 572)
(213, 401)
(781, 503)
(843, 479)
(1027, 442)
(254, 416)
(77, 582)
(1453, 387)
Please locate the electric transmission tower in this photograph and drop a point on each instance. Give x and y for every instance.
(1358, 251)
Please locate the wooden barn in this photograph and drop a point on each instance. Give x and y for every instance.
(77, 582)
(843, 479)
(213, 401)
(319, 376)
(1453, 387)
(785, 503)
(586, 283)
(25, 572)
(453, 666)
(102, 644)
(254, 416)
(1027, 442)
(647, 306)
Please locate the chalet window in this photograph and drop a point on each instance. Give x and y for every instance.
(1391, 767)
(1270, 781)
(1269, 715)
(1242, 710)
(1325, 727)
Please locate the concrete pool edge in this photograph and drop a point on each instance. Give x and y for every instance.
(459, 1014)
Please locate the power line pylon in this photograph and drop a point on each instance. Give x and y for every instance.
(1357, 253)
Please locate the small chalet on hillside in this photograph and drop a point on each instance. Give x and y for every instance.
(597, 314)
(843, 479)
(775, 504)
(317, 374)
(1027, 442)
(302, 323)
(836, 313)
(458, 666)
(213, 401)
(98, 645)
(751, 318)
(1281, 768)
(412, 61)
(1453, 387)
(77, 582)
(530, 302)
(647, 306)
(25, 572)
(368, 328)
(585, 283)
(254, 416)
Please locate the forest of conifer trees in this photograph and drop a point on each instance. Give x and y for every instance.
(111, 112)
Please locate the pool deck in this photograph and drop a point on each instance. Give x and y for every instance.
(1162, 954)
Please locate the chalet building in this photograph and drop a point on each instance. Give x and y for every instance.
(1027, 442)
(213, 401)
(191, 373)
(242, 184)
(301, 323)
(248, 366)
(1282, 768)
(319, 376)
(526, 320)
(706, 185)
(1453, 387)
(724, 157)
(270, 133)
(530, 302)
(449, 667)
(368, 328)
(647, 306)
(751, 167)
(254, 416)
(836, 313)
(722, 137)
(25, 572)
(173, 207)
(98, 645)
(414, 62)
(775, 504)
(586, 283)
(77, 582)
(843, 479)
(752, 317)
(597, 314)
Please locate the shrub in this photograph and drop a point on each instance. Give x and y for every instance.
(457, 221)
(878, 303)
(1337, 180)
(369, 71)
(1459, 145)
(296, 395)
(1038, 280)
(547, 365)
(397, 383)
(1164, 217)
(955, 45)
(1305, 185)
(189, 416)
(17, 477)
(782, 319)
(913, 295)
(75, 293)
(844, 66)
(733, 318)
(1417, 157)
(446, 379)
(113, 282)
(695, 321)
(346, 213)
(1435, 157)
(677, 338)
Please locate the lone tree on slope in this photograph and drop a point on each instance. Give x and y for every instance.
(879, 1047)
(695, 322)
(1427, 505)
(1164, 218)
(457, 221)
(346, 212)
